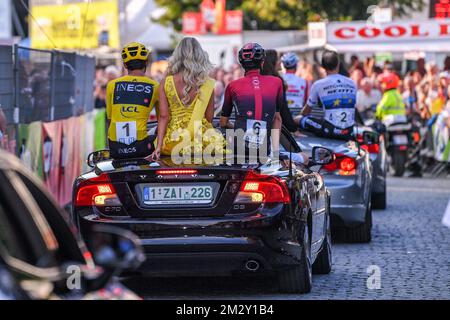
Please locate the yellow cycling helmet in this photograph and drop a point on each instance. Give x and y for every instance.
(134, 51)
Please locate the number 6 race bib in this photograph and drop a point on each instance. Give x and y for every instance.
(256, 131)
(126, 132)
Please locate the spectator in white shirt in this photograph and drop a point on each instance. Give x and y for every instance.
(367, 99)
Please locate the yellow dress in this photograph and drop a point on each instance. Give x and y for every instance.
(188, 132)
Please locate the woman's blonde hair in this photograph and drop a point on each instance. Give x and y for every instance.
(193, 63)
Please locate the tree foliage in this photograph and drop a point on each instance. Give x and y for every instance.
(290, 14)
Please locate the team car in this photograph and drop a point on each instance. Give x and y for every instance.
(375, 145)
(222, 219)
(349, 179)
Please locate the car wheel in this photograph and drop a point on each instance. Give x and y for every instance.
(324, 260)
(379, 200)
(299, 278)
(361, 233)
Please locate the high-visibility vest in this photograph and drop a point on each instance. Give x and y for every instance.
(391, 104)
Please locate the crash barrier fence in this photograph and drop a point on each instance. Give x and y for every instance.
(39, 85)
(56, 151)
(441, 137)
(47, 99)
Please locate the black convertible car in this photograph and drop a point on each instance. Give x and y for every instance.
(215, 219)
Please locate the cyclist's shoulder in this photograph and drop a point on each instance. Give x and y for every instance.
(293, 77)
(141, 79)
(272, 80)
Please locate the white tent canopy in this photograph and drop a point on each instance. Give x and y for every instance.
(138, 25)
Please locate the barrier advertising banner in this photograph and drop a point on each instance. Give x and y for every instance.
(51, 153)
(70, 157)
(57, 151)
(441, 135)
(30, 146)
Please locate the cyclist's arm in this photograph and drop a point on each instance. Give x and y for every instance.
(276, 133)
(312, 101)
(109, 99)
(163, 115)
(277, 121)
(227, 108)
(306, 110)
(155, 99)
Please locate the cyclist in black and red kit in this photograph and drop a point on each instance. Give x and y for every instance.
(256, 101)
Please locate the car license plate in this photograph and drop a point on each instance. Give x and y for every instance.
(178, 194)
(400, 139)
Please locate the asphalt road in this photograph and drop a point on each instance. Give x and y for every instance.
(408, 258)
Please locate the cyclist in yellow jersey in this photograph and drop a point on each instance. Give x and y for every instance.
(129, 101)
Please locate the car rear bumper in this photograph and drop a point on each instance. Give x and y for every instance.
(217, 257)
(349, 201)
(209, 246)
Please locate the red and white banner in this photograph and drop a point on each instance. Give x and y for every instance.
(193, 23)
(397, 36)
(351, 32)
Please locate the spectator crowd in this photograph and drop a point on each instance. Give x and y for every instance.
(425, 89)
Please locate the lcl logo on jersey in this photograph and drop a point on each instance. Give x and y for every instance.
(128, 109)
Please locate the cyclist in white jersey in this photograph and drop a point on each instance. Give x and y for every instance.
(296, 92)
(335, 95)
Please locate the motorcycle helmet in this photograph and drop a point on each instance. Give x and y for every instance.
(389, 81)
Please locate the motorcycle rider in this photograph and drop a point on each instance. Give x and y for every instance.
(296, 92)
(256, 100)
(391, 108)
(129, 101)
(330, 109)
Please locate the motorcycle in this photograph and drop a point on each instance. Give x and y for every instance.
(398, 135)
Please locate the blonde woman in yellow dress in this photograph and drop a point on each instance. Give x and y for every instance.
(186, 105)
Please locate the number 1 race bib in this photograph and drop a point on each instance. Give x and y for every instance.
(341, 118)
(126, 132)
(256, 132)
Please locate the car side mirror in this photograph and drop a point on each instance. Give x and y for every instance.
(322, 156)
(113, 248)
(370, 138)
(97, 156)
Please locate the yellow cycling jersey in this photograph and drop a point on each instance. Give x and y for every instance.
(129, 101)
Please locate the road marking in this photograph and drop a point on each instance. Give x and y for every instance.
(446, 218)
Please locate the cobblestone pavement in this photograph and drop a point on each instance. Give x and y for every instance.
(410, 246)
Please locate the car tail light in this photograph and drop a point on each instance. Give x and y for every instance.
(176, 172)
(258, 188)
(373, 148)
(343, 165)
(416, 137)
(359, 138)
(97, 192)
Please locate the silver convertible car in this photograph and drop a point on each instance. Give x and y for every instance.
(349, 179)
